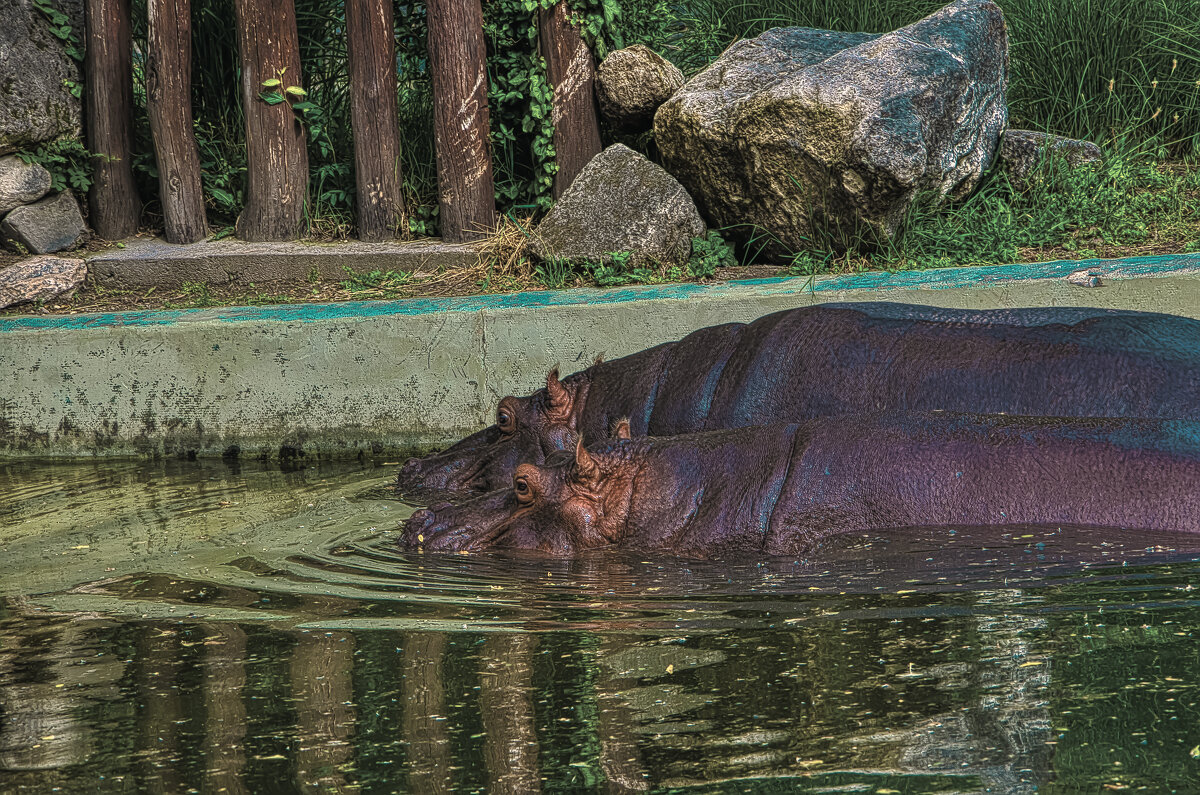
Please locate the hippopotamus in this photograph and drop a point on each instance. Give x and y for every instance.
(834, 360)
(784, 489)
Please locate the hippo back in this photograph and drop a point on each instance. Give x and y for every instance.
(799, 365)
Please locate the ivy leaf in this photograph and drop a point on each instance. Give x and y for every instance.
(296, 91)
(272, 83)
(274, 98)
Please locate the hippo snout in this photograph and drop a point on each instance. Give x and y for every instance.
(417, 528)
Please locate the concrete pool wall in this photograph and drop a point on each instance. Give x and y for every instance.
(385, 377)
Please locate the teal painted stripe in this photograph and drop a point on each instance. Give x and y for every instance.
(940, 279)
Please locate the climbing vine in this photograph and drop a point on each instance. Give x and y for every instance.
(520, 101)
(521, 98)
(60, 27)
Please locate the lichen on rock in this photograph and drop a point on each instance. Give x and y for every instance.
(621, 202)
(801, 125)
(632, 83)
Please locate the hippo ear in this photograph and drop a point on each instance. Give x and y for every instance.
(586, 472)
(560, 398)
(621, 429)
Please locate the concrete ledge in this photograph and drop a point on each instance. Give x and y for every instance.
(149, 262)
(387, 376)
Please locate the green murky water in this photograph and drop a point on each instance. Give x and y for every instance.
(197, 627)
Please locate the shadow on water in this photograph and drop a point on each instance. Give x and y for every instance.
(178, 627)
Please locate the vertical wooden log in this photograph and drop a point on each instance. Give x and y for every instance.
(372, 43)
(457, 56)
(571, 70)
(276, 158)
(113, 200)
(169, 105)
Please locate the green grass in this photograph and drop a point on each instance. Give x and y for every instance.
(377, 282)
(1129, 205)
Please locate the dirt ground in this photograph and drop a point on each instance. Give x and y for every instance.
(477, 280)
(452, 283)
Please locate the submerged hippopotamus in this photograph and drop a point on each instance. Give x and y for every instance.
(835, 360)
(782, 489)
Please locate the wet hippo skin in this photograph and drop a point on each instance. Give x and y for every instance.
(783, 489)
(836, 360)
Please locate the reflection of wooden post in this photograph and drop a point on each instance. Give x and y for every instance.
(321, 669)
(162, 710)
(372, 44)
(460, 118)
(510, 745)
(571, 70)
(620, 758)
(276, 160)
(424, 722)
(113, 199)
(46, 695)
(169, 105)
(225, 721)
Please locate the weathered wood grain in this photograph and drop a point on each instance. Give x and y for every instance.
(114, 207)
(169, 106)
(457, 55)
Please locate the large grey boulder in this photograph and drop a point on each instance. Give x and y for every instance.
(620, 202)
(44, 227)
(35, 103)
(632, 83)
(40, 279)
(801, 126)
(21, 183)
(1023, 152)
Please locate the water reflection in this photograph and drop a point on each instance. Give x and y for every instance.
(289, 648)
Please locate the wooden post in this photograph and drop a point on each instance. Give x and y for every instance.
(571, 70)
(113, 200)
(169, 105)
(276, 158)
(460, 118)
(372, 44)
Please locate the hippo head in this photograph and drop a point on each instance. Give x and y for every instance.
(569, 503)
(527, 430)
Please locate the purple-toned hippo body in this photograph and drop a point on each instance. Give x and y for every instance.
(781, 490)
(836, 360)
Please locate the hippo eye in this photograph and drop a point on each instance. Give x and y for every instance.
(505, 421)
(523, 491)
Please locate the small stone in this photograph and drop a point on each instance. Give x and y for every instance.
(632, 83)
(1084, 278)
(621, 202)
(47, 226)
(1023, 151)
(21, 183)
(40, 279)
